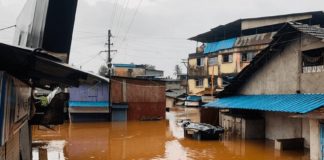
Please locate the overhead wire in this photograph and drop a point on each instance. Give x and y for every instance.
(113, 14)
(5, 28)
(89, 60)
(121, 21)
(132, 21)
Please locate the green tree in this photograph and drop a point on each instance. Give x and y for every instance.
(103, 70)
(177, 70)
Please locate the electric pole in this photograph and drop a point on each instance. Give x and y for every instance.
(109, 65)
(186, 64)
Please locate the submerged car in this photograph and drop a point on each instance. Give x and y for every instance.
(202, 131)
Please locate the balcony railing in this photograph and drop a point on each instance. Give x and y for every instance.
(313, 69)
(197, 71)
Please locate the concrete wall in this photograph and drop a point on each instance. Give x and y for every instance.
(245, 128)
(230, 67)
(279, 76)
(193, 89)
(253, 128)
(173, 85)
(310, 82)
(315, 150)
(281, 126)
(306, 132)
(169, 102)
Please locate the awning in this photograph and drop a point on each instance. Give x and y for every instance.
(293, 103)
(39, 69)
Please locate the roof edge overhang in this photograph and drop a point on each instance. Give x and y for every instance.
(236, 27)
(288, 103)
(39, 69)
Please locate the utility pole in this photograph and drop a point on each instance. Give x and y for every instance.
(186, 64)
(109, 65)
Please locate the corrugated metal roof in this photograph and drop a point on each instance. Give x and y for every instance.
(311, 30)
(216, 46)
(233, 29)
(293, 103)
(255, 39)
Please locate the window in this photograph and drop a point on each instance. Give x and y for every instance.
(247, 56)
(199, 82)
(212, 61)
(313, 61)
(200, 61)
(227, 58)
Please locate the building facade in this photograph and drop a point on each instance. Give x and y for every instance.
(89, 101)
(228, 49)
(139, 71)
(279, 96)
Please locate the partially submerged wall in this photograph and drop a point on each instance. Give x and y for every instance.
(145, 98)
(281, 126)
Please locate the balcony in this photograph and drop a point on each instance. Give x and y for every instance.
(197, 71)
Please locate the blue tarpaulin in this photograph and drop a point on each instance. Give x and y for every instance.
(293, 103)
(216, 46)
(88, 104)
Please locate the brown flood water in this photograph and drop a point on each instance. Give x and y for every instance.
(143, 140)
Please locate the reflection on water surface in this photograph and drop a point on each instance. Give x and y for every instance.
(142, 140)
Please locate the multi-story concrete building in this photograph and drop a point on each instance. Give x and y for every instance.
(225, 50)
(280, 95)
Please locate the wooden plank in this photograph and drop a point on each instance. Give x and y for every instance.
(12, 148)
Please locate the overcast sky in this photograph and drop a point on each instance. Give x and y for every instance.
(151, 31)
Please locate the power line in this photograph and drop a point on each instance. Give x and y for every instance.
(92, 58)
(114, 13)
(88, 37)
(2, 29)
(132, 21)
(123, 14)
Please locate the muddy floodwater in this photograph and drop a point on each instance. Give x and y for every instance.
(146, 140)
